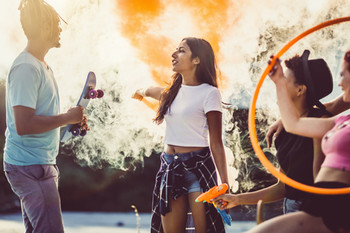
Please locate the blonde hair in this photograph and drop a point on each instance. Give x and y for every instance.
(34, 14)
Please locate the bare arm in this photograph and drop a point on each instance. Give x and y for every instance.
(153, 92)
(269, 194)
(217, 148)
(292, 122)
(337, 105)
(28, 123)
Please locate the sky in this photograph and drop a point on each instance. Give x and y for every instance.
(128, 44)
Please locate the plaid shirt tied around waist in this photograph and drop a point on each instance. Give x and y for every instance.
(202, 165)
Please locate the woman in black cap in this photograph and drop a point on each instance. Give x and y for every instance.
(298, 156)
(320, 213)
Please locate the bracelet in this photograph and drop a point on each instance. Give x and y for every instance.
(142, 92)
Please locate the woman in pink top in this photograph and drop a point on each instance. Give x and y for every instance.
(320, 213)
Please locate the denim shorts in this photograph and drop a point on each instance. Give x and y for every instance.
(290, 205)
(190, 180)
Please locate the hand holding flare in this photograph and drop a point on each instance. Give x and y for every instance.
(276, 71)
(213, 193)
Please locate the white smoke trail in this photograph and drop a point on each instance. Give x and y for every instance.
(120, 126)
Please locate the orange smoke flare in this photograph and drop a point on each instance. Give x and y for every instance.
(139, 18)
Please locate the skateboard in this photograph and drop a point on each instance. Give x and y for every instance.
(88, 93)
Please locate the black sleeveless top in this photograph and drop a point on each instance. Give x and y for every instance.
(295, 155)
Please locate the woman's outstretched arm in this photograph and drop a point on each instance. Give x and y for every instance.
(269, 194)
(153, 92)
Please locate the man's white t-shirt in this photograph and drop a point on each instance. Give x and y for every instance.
(186, 121)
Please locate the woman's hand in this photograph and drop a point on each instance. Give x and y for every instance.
(276, 72)
(273, 132)
(226, 201)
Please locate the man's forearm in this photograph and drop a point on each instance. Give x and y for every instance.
(41, 124)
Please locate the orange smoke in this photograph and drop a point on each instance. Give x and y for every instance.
(139, 18)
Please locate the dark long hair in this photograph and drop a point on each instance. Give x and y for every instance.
(206, 72)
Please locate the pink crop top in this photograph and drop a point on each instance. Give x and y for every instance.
(336, 145)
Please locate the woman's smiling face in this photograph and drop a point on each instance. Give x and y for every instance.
(182, 58)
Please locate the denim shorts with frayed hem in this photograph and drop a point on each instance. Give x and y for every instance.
(190, 180)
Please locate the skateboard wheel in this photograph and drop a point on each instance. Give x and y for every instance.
(75, 131)
(100, 93)
(92, 94)
(83, 133)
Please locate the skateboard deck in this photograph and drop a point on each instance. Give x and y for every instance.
(88, 93)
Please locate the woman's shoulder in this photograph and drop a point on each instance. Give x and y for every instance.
(204, 90)
(209, 88)
(207, 85)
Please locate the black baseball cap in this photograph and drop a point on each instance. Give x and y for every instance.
(318, 77)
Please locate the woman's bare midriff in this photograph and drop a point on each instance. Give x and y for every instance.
(172, 149)
(328, 174)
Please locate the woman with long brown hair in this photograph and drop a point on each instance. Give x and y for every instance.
(191, 108)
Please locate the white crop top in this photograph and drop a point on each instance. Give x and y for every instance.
(186, 122)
